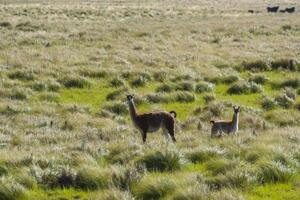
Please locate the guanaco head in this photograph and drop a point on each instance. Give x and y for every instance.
(129, 98)
(236, 109)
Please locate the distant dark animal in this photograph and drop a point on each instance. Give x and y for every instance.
(273, 9)
(250, 11)
(282, 11)
(290, 10)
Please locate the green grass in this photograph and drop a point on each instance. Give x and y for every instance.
(93, 96)
(244, 100)
(277, 191)
(199, 167)
(57, 194)
(279, 76)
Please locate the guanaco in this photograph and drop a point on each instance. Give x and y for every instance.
(229, 127)
(153, 121)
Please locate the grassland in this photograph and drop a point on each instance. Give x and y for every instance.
(65, 68)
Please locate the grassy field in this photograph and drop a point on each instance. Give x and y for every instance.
(65, 70)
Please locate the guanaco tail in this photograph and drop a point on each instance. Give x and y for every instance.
(228, 127)
(153, 121)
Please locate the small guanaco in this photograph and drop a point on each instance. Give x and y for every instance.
(229, 127)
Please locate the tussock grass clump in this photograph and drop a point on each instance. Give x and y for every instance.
(283, 117)
(227, 195)
(268, 103)
(244, 88)
(239, 178)
(183, 96)
(162, 161)
(16, 140)
(116, 194)
(92, 178)
(114, 95)
(178, 96)
(273, 172)
(258, 79)
(229, 79)
(53, 86)
(27, 181)
(157, 98)
(213, 109)
(256, 66)
(49, 96)
(10, 189)
(281, 157)
(288, 64)
(123, 178)
(3, 170)
(67, 126)
(216, 182)
(160, 76)
(75, 108)
(27, 27)
(218, 166)
(286, 27)
(165, 87)
(284, 100)
(297, 156)
(216, 40)
(75, 82)
(119, 108)
(93, 73)
(297, 106)
(153, 188)
(116, 82)
(139, 82)
(142, 34)
(291, 93)
(252, 156)
(223, 79)
(39, 86)
(252, 121)
(197, 191)
(18, 94)
(181, 77)
(209, 97)
(231, 179)
(140, 79)
(222, 65)
(5, 25)
(9, 111)
(22, 75)
(204, 87)
(185, 86)
(119, 154)
(201, 155)
(293, 83)
(54, 177)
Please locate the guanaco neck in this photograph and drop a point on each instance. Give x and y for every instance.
(132, 111)
(235, 119)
